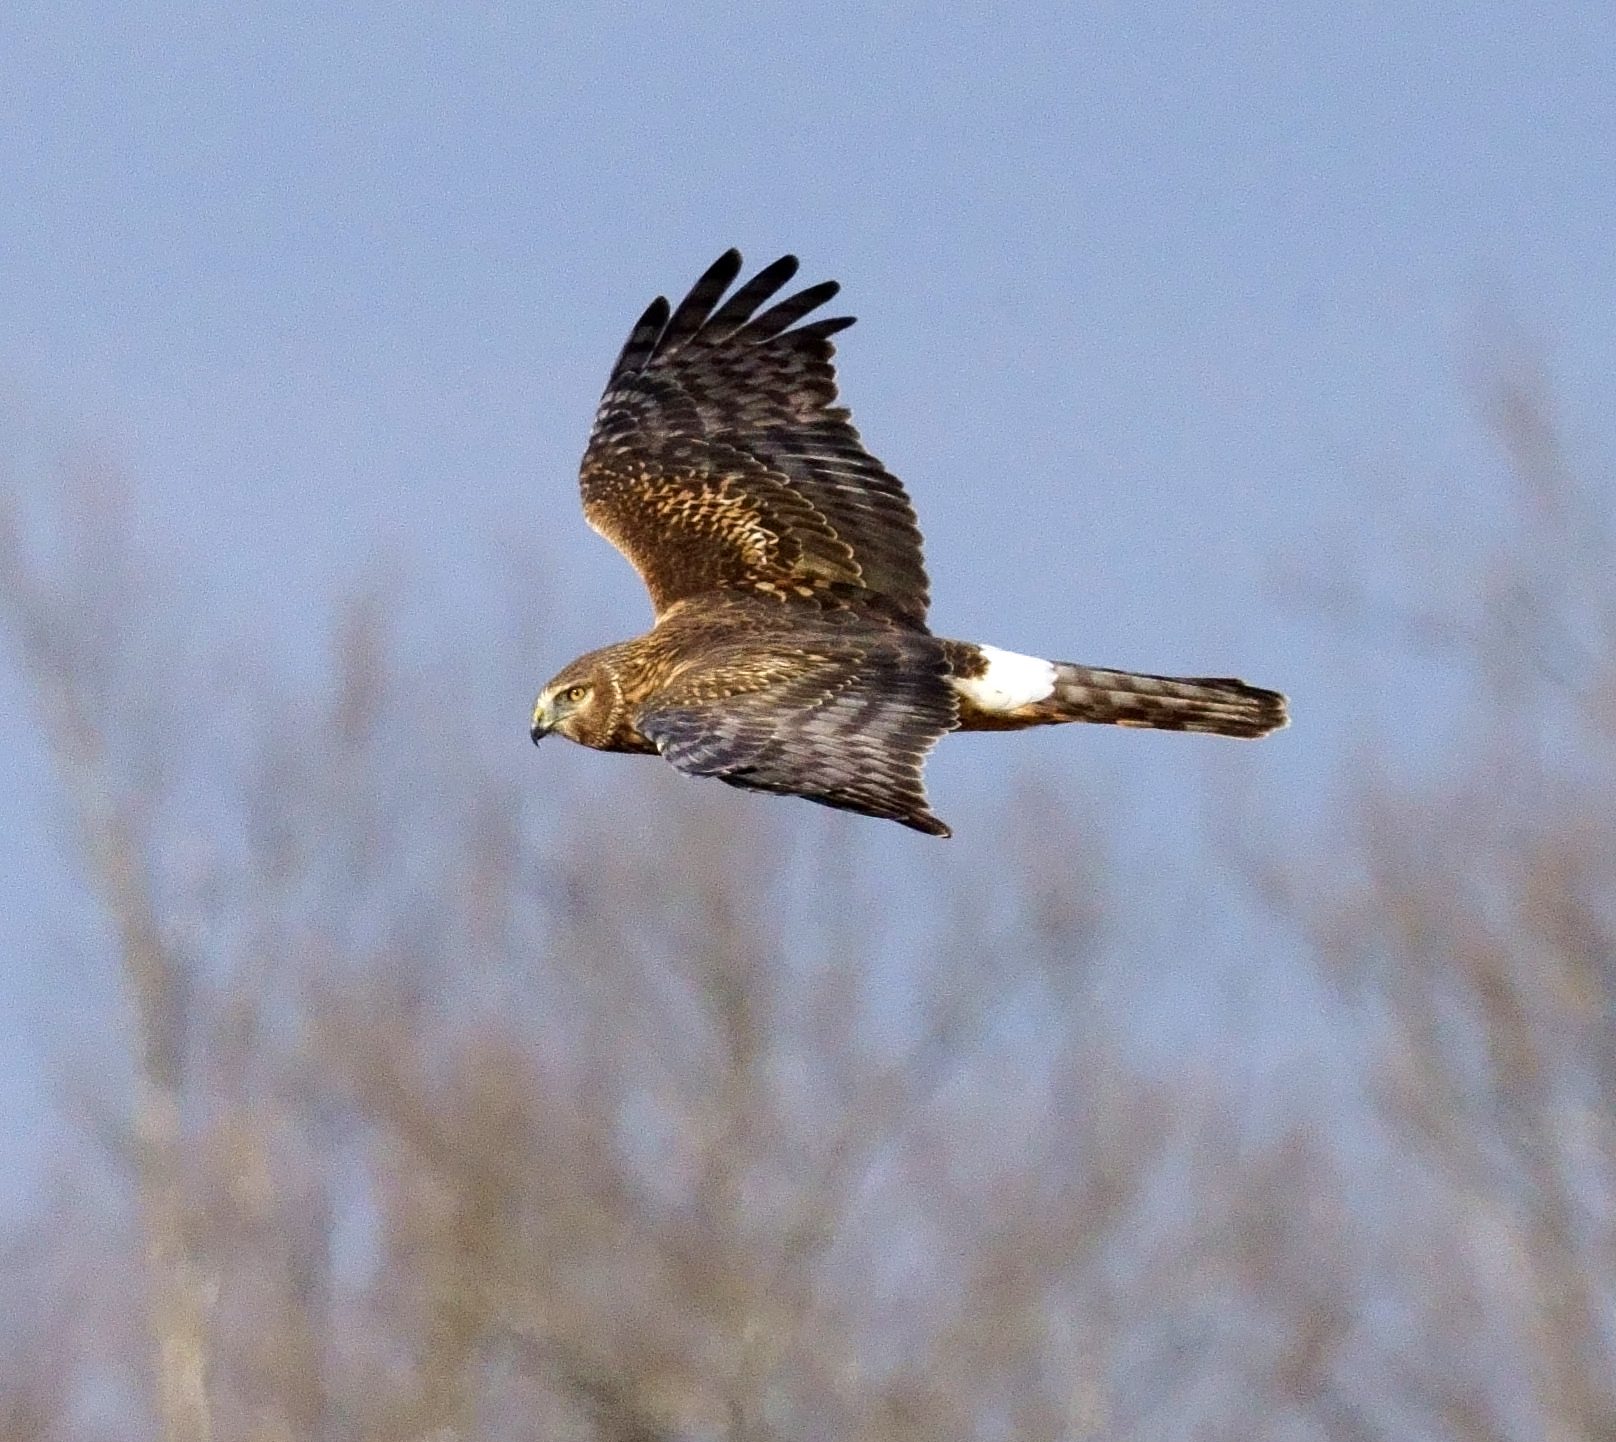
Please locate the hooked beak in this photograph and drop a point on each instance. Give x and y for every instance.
(542, 723)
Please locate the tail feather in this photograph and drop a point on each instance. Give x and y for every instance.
(1003, 691)
(1220, 705)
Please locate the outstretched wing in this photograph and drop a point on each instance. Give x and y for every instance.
(721, 461)
(846, 724)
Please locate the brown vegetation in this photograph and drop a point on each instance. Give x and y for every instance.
(445, 1121)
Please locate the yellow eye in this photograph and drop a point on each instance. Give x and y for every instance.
(577, 693)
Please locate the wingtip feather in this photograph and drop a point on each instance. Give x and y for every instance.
(786, 313)
(698, 304)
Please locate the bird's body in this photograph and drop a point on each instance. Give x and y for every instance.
(791, 651)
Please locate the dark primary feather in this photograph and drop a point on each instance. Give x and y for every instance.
(698, 305)
(643, 338)
(844, 720)
(720, 460)
(736, 310)
(789, 311)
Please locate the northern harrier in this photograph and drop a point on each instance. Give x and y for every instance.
(790, 651)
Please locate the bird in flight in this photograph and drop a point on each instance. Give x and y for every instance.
(790, 651)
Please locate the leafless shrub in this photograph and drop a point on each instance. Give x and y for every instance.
(1470, 919)
(665, 1119)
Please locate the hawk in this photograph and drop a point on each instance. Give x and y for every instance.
(790, 651)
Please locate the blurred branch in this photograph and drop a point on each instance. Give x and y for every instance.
(1470, 917)
(71, 636)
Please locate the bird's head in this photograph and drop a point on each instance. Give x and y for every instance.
(583, 702)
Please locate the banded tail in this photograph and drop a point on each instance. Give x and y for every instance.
(1003, 691)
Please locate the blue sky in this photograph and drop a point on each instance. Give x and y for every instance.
(1154, 301)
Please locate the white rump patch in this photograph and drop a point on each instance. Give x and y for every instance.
(1010, 681)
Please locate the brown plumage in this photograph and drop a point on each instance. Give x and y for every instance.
(790, 651)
